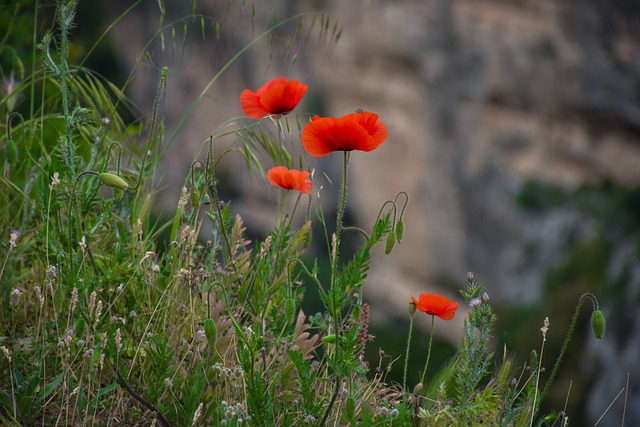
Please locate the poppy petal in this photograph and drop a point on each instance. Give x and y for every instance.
(283, 97)
(282, 177)
(356, 131)
(277, 96)
(251, 106)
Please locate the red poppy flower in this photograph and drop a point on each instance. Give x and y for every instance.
(357, 131)
(436, 305)
(290, 179)
(279, 96)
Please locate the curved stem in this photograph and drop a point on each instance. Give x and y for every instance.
(433, 318)
(567, 339)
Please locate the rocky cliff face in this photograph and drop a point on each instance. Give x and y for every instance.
(479, 96)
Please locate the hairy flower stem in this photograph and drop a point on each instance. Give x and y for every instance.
(406, 356)
(66, 12)
(424, 372)
(342, 204)
(567, 339)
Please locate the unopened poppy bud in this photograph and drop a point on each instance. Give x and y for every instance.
(351, 407)
(598, 323)
(329, 339)
(400, 230)
(391, 241)
(418, 389)
(290, 310)
(195, 198)
(12, 150)
(113, 180)
(412, 308)
(211, 332)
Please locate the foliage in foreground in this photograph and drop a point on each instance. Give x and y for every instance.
(102, 324)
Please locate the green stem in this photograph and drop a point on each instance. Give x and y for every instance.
(65, 13)
(335, 311)
(406, 357)
(424, 373)
(567, 339)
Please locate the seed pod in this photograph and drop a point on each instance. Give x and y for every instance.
(113, 180)
(290, 310)
(598, 323)
(391, 241)
(211, 332)
(400, 230)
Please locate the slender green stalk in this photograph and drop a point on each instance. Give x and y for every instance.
(567, 339)
(342, 204)
(424, 372)
(406, 356)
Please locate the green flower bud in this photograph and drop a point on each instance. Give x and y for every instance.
(329, 339)
(211, 332)
(418, 389)
(391, 241)
(12, 151)
(290, 310)
(598, 323)
(400, 230)
(195, 198)
(351, 407)
(412, 308)
(113, 180)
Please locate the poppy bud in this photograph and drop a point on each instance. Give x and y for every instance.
(412, 308)
(195, 198)
(211, 332)
(12, 151)
(290, 310)
(329, 339)
(418, 389)
(351, 407)
(598, 323)
(113, 180)
(400, 230)
(391, 241)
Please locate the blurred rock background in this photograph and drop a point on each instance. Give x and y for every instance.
(514, 126)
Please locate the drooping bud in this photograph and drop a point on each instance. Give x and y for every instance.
(113, 180)
(400, 230)
(350, 407)
(598, 323)
(391, 241)
(290, 310)
(211, 332)
(12, 151)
